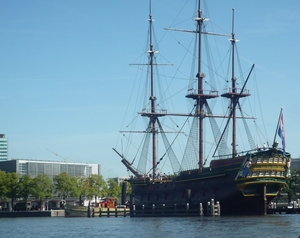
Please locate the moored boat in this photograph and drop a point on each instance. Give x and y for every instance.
(243, 182)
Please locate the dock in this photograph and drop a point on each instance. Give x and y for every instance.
(49, 213)
(155, 210)
(283, 210)
(79, 211)
(186, 210)
(292, 208)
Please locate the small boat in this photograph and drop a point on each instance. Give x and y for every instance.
(76, 211)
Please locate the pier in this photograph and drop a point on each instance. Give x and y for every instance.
(292, 208)
(175, 210)
(107, 212)
(283, 210)
(155, 210)
(80, 211)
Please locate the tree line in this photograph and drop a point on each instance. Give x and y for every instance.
(292, 186)
(13, 186)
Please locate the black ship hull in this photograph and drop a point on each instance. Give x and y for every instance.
(223, 182)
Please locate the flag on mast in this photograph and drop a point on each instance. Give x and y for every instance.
(281, 133)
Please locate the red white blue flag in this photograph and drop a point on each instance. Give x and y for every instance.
(281, 133)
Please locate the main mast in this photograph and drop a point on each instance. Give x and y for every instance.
(152, 98)
(233, 82)
(200, 102)
(200, 95)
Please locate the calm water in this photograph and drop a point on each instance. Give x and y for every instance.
(263, 226)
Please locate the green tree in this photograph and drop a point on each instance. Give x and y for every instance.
(129, 189)
(297, 174)
(95, 185)
(25, 187)
(12, 186)
(75, 186)
(3, 186)
(66, 185)
(114, 189)
(292, 185)
(81, 184)
(42, 187)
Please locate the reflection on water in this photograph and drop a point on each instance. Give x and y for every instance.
(253, 226)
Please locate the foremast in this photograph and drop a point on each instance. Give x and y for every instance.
(153, 114)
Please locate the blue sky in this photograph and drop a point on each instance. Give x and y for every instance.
(65, 74)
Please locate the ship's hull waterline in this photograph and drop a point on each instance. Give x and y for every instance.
(224, 181)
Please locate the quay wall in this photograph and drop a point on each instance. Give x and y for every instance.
(52, 213)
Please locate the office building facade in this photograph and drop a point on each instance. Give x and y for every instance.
(3, 148)
(50, 168)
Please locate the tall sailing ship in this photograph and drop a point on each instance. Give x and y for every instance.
(243, 182)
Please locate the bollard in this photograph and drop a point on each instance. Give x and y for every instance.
(218, 209)
(124, 211)
(208, 209)
(133, 209)
(212, 209)
(201, 209)
(187, 207)
(89, 211)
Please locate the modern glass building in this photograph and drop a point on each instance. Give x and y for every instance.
(3, 148)
(50, 168)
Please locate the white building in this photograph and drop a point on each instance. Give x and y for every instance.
(50, 168)
(3, 148)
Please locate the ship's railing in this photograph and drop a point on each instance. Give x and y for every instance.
(204, 92)
(264, 166)
(158, 111)
(164, 178)
(268, 160)
(238, 154)
(236, 90)
(266, 173)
